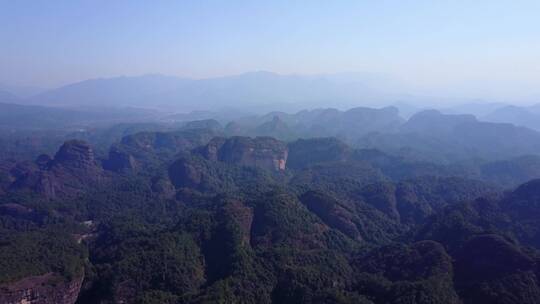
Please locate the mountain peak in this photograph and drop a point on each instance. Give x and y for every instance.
(75, 154)
(260, 73)
(529, 190)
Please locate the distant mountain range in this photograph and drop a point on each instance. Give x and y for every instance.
(427, 135)
(16, 116)
(521, 116)
(7, 97)
(524, 116)
(20, 91)
(347, 125)
(253, 90)
(477, 108)
(434, 135)
(259, 92)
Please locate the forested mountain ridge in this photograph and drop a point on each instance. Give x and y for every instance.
(27, 131)
(269, 152)
(194, 216)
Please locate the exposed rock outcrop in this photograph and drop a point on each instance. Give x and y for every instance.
(72, 169)
(263, 152)
(75, 155)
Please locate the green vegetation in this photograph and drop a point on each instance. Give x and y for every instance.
(184, 227)
(24, 254)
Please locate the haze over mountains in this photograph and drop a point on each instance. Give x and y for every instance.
(244, 90)
(249, 89)
(6, 96)
(260, 92)
(247, 104)
(270, 152)
(21, 91)
(158, 189)
(319, 206)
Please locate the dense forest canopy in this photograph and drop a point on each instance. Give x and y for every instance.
(375, 209)
(269, 152)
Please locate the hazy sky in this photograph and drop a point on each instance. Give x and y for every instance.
(473, 47)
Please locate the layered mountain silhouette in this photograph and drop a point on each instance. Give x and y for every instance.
(434, 135)
(179, 213)
(6, 96)
(245, 90)
(521, 116)
(19, 116)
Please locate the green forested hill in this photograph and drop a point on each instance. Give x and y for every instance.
(191, 224)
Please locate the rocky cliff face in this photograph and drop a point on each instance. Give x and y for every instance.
(72, 169)
(45, 289)
(75, 155)
(227, 163)
(263, 152)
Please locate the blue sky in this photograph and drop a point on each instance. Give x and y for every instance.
(469, 47)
